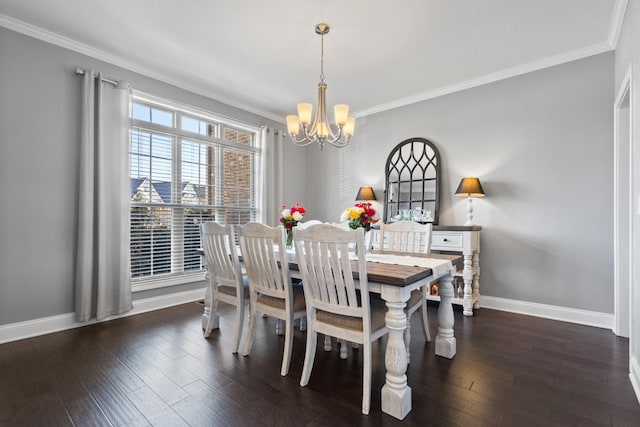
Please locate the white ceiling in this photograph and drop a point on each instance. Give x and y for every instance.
(264, 56)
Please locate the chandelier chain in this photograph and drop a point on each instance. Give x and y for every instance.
(322, 57)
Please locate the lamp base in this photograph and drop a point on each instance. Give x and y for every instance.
(469, 212)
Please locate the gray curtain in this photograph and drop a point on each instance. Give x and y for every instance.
(273, 174)
(102, 280)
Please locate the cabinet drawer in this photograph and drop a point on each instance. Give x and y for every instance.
(446, 240)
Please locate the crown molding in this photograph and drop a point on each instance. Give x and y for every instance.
(67, 43)
(617, 18)
(84, 49)
(491, 78)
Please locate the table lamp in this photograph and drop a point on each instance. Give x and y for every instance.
(469, 188)
(366, 193)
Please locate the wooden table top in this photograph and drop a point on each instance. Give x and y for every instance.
(395, 274)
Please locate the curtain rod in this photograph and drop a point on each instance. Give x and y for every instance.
(80, 72)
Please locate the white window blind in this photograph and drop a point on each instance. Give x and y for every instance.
(186, 167)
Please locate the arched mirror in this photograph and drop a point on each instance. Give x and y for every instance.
(412, 182)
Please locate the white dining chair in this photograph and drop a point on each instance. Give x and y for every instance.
(270, 288)
(227, 282)
(303, 322)
(334, 306)
(409, 237)
(343, 344)
(406, 236)
(305, 224)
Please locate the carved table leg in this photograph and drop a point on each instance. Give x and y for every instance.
(407, 339)
(467, 276)
(445, 341)
(476, 279)
(396, 394)
(210, 318)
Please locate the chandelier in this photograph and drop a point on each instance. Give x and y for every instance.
(321, 131)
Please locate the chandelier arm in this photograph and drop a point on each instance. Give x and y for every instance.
(302, 142)
(340, 144)
(335, 141)
(311, 136)
(335, 136)
(321, 120)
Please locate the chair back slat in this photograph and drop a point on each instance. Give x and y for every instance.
(258, 243)
(217, 241)
(405, 236)
(325, 265)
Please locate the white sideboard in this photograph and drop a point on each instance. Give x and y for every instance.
(465, 239)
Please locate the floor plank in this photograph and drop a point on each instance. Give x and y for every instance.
(156, 369)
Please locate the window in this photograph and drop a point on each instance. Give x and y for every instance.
(186, 167)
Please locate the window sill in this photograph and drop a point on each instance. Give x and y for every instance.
(164, 282)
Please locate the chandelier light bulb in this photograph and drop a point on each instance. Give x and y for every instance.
(304, 113)
(293, 124)
(341, 113)
(349, 127)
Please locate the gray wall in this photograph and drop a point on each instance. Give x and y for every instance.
(534, 140)
(39, 137)
(541, 144)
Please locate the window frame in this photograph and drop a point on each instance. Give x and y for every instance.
(178, 135)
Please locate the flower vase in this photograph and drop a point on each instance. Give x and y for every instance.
(365, 242)
(289, 238)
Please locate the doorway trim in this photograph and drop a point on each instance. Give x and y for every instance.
(623, 206)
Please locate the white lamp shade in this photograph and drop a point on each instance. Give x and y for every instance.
(349, 126)
(341, 113)
(293, 124)
(304, 113)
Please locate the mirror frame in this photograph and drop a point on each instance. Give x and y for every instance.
(425, 161)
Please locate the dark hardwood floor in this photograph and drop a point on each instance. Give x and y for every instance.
(157, 369)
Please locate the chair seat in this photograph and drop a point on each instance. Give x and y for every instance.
(231, 290)
(298, 300)
(378, 310)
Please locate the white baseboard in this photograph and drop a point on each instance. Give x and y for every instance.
(634, 376)
(47, 325)
(565, 314)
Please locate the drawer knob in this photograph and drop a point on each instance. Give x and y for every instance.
(445, 240)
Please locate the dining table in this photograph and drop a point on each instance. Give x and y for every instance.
(394, 276)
